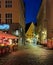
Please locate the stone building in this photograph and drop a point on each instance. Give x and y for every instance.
(12, 13)
(49, 17)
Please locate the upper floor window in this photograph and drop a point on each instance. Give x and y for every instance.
(0, 18)
(0, 4)
(8, 3)
(8, 18)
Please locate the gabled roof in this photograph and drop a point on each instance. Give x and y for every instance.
(30, 31)
(28, 25)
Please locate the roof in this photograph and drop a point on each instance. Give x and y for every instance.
(28, 25)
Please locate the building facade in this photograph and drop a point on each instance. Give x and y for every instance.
(45, 17)
(42, 22)
(12, 13)
(30, 32)
(49, 16)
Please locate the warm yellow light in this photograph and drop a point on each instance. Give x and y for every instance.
(10, 41)
(13, 44)
(2, 44)
(44, 32)
(29, 39)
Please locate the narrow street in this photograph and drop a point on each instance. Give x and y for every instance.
(35, 55)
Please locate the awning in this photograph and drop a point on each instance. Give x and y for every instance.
(6, 35)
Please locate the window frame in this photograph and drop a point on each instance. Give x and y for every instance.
(0, 4)
(8, 18)
(8, 3)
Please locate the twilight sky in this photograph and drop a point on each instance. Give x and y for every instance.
(31, 10)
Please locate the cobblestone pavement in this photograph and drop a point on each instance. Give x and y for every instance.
(5, 58)
(32, 56)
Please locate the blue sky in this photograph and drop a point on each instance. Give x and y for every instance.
(31, 10)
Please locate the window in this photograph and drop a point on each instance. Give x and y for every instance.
(0, 18)
(8, 17)
(8, 3)
(0, 4)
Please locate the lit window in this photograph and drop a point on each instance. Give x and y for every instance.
(8, 17)
(8, 3)
(0, 18)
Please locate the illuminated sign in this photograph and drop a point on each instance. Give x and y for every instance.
(4, 26)
(16, 32)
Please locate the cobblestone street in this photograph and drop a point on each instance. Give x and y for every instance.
(35, 55)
